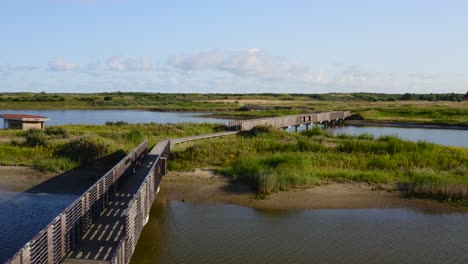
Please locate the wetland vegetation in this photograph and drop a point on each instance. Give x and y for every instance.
(272, 160)
(61, 148)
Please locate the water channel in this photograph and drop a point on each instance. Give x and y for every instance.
(98, 117)
(220, 233)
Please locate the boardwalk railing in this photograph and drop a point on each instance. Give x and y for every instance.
(137, 212)
(57, 239)
(291, 120)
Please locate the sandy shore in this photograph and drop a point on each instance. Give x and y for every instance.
(206, 186)
(19, 178)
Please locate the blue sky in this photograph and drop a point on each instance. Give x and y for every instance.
(234, 46)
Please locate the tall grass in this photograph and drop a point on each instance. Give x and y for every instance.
(61, 148)
(274, 160)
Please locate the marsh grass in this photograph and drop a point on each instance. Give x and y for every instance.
(61, 148)
(274, 160)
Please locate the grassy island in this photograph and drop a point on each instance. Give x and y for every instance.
(271, 160)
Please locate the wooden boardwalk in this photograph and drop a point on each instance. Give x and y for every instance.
(103, 237)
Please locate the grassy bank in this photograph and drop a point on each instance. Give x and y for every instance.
(66, 147)
(272, 160)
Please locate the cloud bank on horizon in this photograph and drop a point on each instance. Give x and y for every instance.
(309, 47)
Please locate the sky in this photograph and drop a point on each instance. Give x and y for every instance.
(241, 46)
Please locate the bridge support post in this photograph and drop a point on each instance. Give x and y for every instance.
(295, 128)
(164, 166)
(50, 244)
(307, 126)
(26, 255)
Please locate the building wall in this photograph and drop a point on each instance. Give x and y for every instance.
(30, 125)
(14, 124)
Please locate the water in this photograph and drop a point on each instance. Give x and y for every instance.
(23, 215)
(97, 117)
(448, 137)
(218, 233)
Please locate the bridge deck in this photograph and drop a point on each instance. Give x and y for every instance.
(97, 245)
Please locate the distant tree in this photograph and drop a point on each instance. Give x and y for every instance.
(408, 96)
(107, 98)
(466, 95)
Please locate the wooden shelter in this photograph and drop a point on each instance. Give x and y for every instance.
(24, 122)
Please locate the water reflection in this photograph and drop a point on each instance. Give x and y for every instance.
(218, 233)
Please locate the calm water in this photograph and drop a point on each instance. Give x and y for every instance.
(23, 215)
(63, 117)
(218, 233)
(448, 137)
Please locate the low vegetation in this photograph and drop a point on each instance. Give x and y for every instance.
(271, 160)
(61, 148)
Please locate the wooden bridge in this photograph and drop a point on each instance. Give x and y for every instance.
(103, 225)
(291, 120)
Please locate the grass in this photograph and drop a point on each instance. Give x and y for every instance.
(63, 148)
(271, 160)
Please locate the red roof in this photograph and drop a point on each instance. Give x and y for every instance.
(17, 116)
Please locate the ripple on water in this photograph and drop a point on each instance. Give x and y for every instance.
(219, 233)
(23, 215)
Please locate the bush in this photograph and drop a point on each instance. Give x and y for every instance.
(315, 131)
(135, 136)
(107, 98)
(116, 123)
(366, 136)
(35, 137)
(85, 149)
(256, 131)
(58, 132)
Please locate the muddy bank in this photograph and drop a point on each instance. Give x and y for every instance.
(206, 186)
(20, 178)
(72, 182)
(402, 124)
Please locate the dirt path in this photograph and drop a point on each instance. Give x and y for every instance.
(206, 186)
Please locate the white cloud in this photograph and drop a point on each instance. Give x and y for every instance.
(60, 64)
(246, 63)
(120, 64)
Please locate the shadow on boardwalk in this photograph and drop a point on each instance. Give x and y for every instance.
(25, 214)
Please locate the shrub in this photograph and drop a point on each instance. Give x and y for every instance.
(116, 123)
(256, 131)
(35, 137)
(135, 136)
(366, 136)
(58, 132)
(85, 149)
(315, 131)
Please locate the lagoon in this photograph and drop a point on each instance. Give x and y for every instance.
(99, 117)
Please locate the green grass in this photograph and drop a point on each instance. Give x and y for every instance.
(272, 160)
(66, 147)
